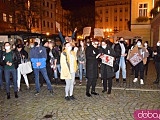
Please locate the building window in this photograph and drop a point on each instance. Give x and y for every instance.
(115, 18)
(51, 6)
(10, 19)
(51, 15)
(47, 14)
(51, 25)
(43, 3)
(48, 24)
(100, 11)
(143, 9)
(120, 19)
(106, 10)
(37, 23)
(44, 24)
(126, 9)
(121, 10)
(4, 17)
(106, 19)
(115, 10)
(43, 13)
(47, 4)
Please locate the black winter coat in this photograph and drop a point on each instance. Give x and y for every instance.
(91, 62)
(107, 71)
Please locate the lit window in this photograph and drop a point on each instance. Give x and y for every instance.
(10, 19)
(143, 9)
(4, 17)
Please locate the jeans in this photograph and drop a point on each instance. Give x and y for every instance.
(122, 65)
(70, 85)
(58, 69)
(1, 81)
(7, 74)
(81, 68)
(45, 76)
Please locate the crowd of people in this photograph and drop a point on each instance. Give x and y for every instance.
(88, 59)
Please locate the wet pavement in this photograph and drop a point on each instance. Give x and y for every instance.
(119, 105)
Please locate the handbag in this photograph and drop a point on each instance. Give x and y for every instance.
(116, 65)
(25, 68)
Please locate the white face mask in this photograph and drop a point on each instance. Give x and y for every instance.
(158, 44)
(104, 46)
(145, 44)
(32, 46)
(7, 47)
(138, 43)
(69, 48)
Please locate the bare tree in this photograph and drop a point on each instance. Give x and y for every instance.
(26, 13)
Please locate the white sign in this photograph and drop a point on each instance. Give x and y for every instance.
(86, 31)
(4, 38)
(57, 25)
(98, 32)
(108, 60)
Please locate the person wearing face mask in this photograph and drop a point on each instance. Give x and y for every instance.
(10, 67)
(107, 72)
(143, 52)
(148, 58)
(91, 67)
(121, 51)
(81, 60)
(68, 62)
(38, 58)
(157, 62)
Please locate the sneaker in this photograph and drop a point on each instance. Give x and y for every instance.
(36, 93)
(124, 80)
(135, 80)
(80, 83)
(72, 97)
(141, 81)
(51, 91)
(67, 98)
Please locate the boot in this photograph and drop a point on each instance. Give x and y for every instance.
(109, 91)
(8, 96)
(16, 95)
(56, 81)
(156, 81)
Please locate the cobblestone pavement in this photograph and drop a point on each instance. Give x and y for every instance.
(120, 105)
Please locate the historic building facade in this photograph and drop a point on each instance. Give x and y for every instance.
(112, 16)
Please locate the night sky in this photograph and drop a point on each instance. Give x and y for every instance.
(75, 4)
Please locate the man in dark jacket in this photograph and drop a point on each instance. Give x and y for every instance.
(91, 68)
(38, 58)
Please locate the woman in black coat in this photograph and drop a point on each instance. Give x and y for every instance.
(107, 72)
(91, 68)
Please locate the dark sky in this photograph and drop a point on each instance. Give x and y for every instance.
(75, 4)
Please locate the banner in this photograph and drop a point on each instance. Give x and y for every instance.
(86, 31)
(136, 56)
(57, 25)
(108, 60)
(98, 32)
